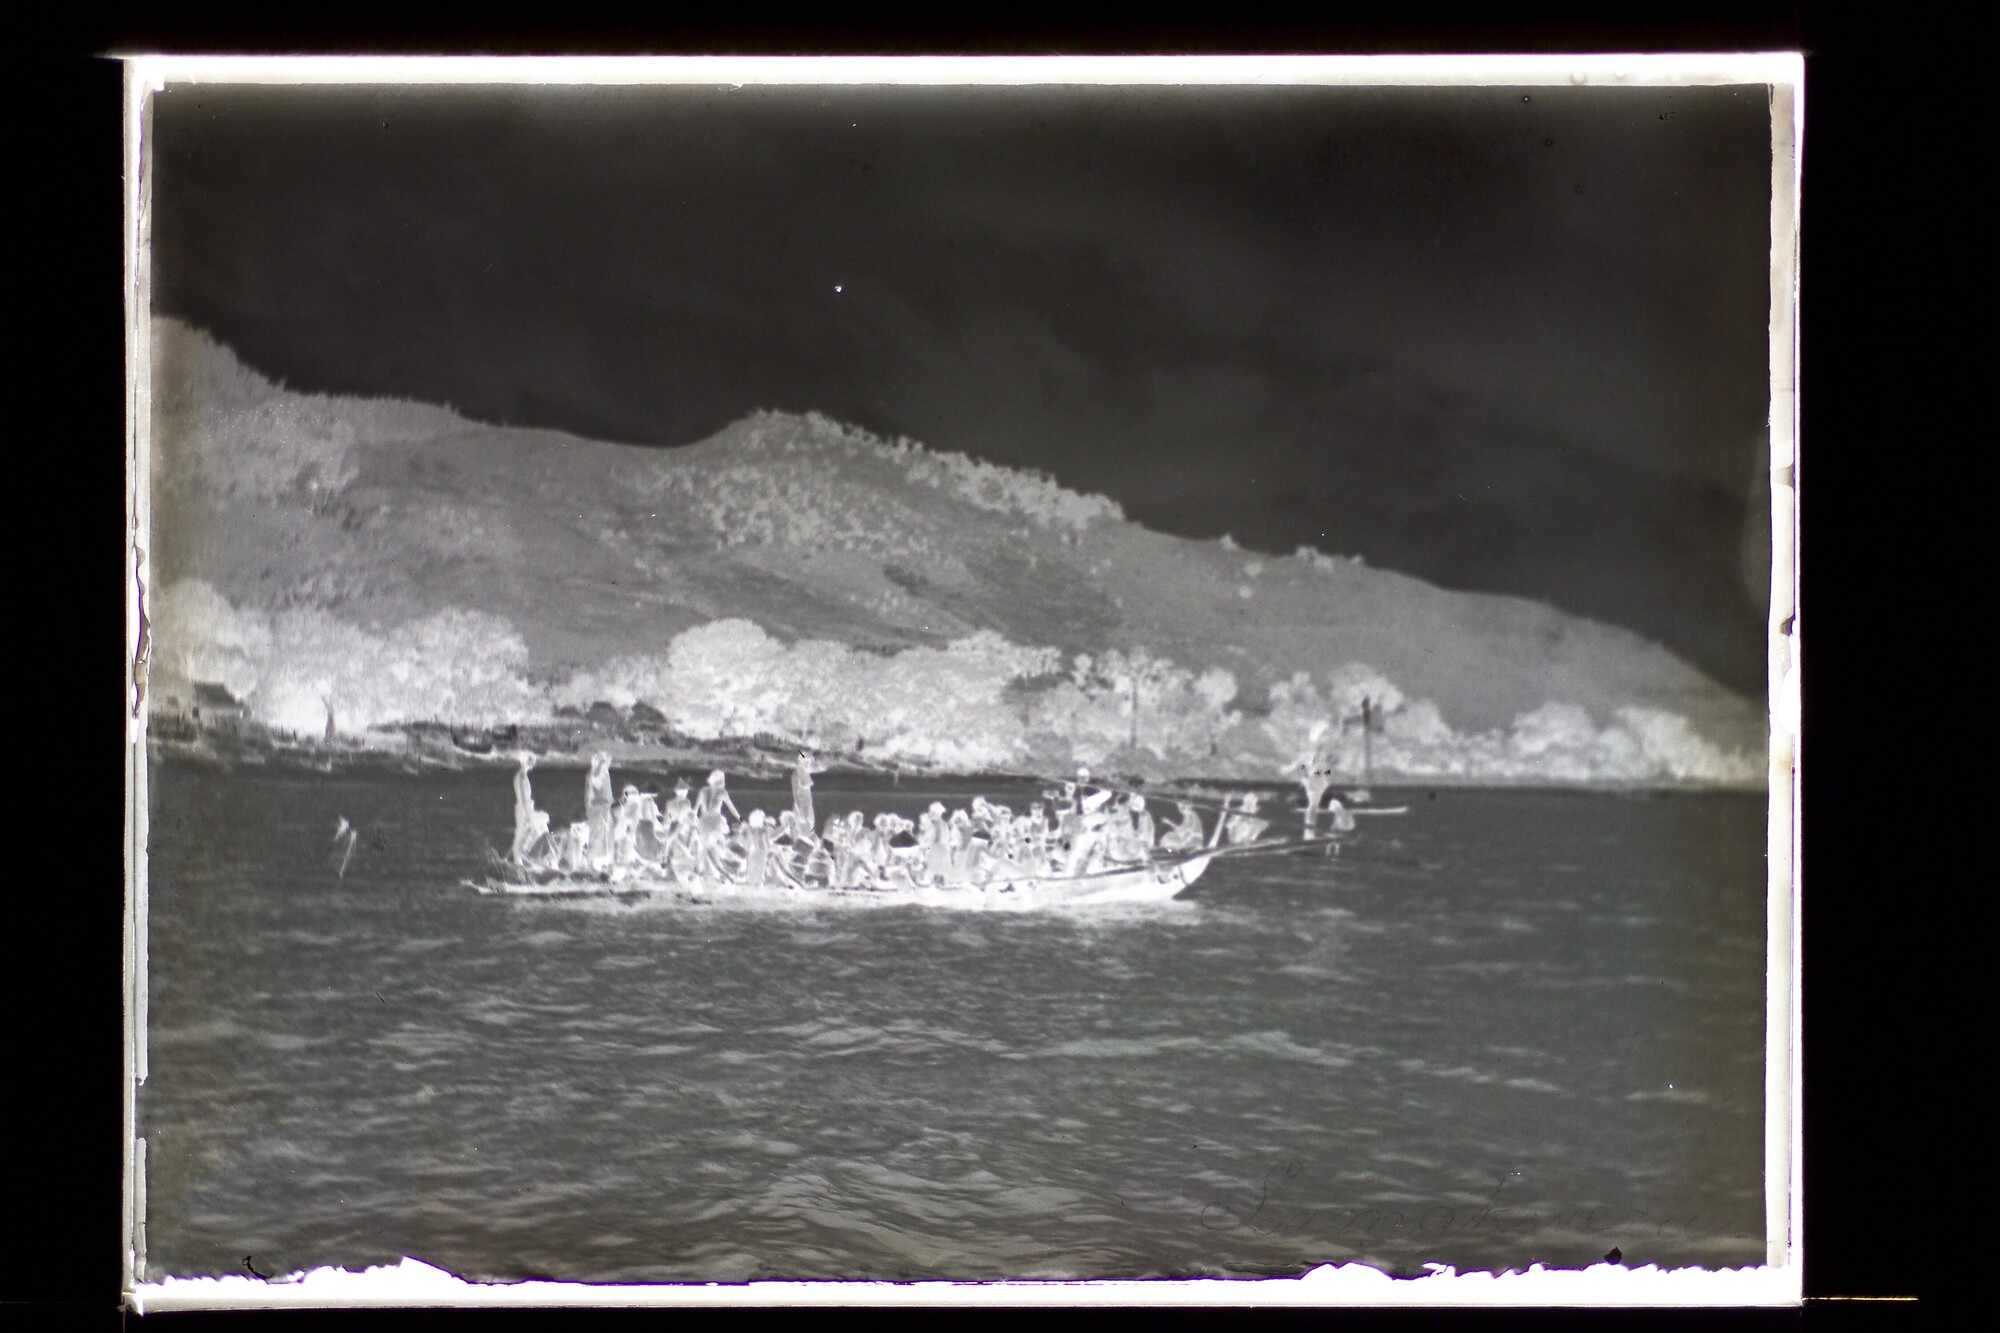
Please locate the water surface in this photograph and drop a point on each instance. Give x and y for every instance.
(1509, 1028)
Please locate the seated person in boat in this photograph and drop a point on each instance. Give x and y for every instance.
(753, 839)
(574, 854)
(794, 845)
(1339, 816)
(817, 867)
(679, 808)
(905, 851)
(1246, 826)
(1132, 833)
(540, 852)
(1185, 833)
(961, 856)
(846, 857)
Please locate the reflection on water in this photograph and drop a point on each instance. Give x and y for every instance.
(1508, 1028)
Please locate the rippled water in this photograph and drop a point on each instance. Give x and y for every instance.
(1510, 1027)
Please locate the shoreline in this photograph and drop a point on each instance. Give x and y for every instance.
(751, 762)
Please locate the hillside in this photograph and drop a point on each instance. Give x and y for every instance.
(578, 567)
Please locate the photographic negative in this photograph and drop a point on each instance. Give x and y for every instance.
(978, 672)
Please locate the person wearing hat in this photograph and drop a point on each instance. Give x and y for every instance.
(1135, 831)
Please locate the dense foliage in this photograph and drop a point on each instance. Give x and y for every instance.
(981, 702)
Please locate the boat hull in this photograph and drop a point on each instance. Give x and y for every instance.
(1154, 883)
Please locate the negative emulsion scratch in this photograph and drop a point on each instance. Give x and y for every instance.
(143, 658)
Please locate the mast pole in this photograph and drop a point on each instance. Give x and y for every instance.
(1367, 742)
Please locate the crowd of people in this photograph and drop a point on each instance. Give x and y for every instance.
(1079, 827)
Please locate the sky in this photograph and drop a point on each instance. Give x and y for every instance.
(1508, 340)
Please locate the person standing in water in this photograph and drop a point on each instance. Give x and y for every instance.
(597, 806)
(525, 831)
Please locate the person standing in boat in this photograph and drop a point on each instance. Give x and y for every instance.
(1035, 839)
(961, 851)
(931, 837)
(869, 848)
(802, 791)
(1093, 822)
(524, 809)
(650, 836)
(680, 847)
(597, 810)
(712, 825)
(626, 824)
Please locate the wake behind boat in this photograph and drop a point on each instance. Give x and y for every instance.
(1082, 845)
